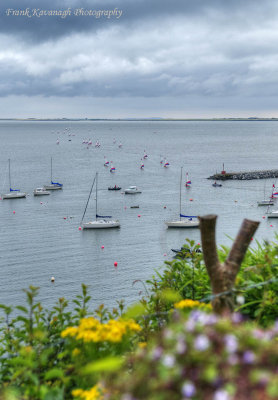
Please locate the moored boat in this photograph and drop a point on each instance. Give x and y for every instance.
(132, 190)
(14, 193)
(41, 192)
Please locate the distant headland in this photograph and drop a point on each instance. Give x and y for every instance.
(150, 119)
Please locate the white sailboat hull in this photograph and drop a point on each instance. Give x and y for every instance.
(101, 224)
(266, 203)
(52, 187)
(13, 195)
(273, 214)
(182, 224)
(41, 192)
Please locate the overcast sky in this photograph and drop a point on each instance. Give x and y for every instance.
(139, 58)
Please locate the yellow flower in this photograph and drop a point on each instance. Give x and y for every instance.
(188, 303)
(92, 330)
(95, 393)
(142, 345)
(71, 331)
(75, 352)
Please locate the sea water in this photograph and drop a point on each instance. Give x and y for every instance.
(40, 236)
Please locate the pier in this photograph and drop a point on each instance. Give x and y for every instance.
(245, 175)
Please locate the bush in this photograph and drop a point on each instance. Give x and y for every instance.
(201, 357)
(256, 288)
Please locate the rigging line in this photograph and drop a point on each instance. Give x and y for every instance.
(5, 177)
(88, 200)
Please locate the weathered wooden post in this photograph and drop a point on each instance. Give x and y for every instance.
(223, 276)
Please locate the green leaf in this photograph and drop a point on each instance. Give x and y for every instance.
(135, 311)
(109, 364)
(54, 373)
(170, 295)
(21, 308)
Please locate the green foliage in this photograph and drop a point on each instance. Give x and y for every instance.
(201, 357)
(67, 350)
(36, 362)
(256, 288)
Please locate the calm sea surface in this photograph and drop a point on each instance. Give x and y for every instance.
(39, 235)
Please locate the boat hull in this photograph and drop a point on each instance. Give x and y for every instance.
(274, 214)
(132, 192)
(182, 224)
(265, 203)
(41, 192)
(17, 195)
(101, 224)
(52, 187)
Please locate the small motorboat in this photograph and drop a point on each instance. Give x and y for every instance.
(215, 184)
(40, 192)
(114, 187)
(134, 206)
(132, 190)
(265, 203)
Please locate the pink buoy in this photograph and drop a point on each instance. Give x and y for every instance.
(13, 212)
(139, 215)
(41, 202)
(115, 264)
(190, 199)
(65, 217)
(79, 228)
(271, 225)
(263, 217)
(165, 254)
(102, 247)
(125, 207)
(164, 207)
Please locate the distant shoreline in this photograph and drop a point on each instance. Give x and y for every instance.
(250, 119)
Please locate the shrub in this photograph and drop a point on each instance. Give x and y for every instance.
(201, 357)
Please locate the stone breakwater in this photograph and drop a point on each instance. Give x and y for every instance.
(272, 173)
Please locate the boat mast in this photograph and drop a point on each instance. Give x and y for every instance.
(51, 170)
(10, 174)
(88, 201)
(96, 193)
(180, 192)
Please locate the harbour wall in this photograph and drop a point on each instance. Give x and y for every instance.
(273, 173)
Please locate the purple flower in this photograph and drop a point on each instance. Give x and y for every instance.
(190, 325)
(168, 360)
(248, 357)
(201, 343)
(157, 353)
(188, 389)
(181, 346)
(221, 394)
(231, 343)
(232, 359)
(237, 318)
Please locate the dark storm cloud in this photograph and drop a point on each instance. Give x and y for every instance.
(155, 48)
(33, 27)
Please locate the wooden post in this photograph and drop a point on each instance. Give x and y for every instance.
(222, 276)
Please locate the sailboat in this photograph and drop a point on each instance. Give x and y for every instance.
(100, 221)
(14, 193)
(166, 164)
(53, 185)
(112, 168)
(106, 162)
(189, 222)
(267, 202)
(188, 181)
